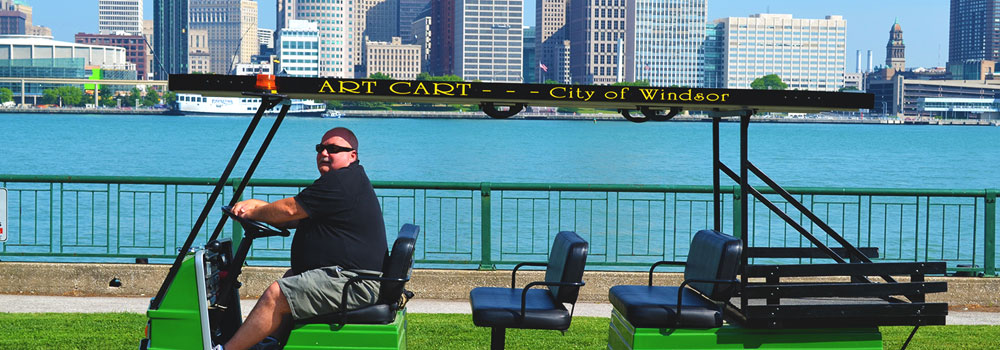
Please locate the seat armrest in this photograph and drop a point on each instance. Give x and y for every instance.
(354, 280)
(664, 262)
(697, 280)
(524, 292)
(513, 274)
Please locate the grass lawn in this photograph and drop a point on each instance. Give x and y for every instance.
(426, 332)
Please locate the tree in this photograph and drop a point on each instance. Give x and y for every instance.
(169, 98)
(550, 81)
(107, 98)
(6, 95)
(768, 82)
(632, 83)
(380, 76)
(133, 95)
(446, 78)
(152, 97)
(66, 95)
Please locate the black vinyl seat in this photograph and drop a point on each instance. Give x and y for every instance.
(501, 308)
(395, 273)
(712, 264)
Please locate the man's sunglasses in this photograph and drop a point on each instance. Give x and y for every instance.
(331, 148)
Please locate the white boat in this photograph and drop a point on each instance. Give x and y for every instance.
(197, 104)
(333, 113)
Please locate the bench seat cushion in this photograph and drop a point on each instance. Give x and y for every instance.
(655, 307)
(372, 314)
(499, 307)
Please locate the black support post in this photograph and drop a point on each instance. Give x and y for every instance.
(498, 337)
(716, 190)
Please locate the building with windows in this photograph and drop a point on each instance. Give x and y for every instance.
(895, 50)
(134, 45)
(663, 42)
(265, 38)
(422, 30)
(551, 42)
(12, 22)
(374, 20)
(232, 31)
(596, 32)
(335, 23)
(170, 33)
(713, 67)
(443, 34)
(530, 67)
(489, 40)
(119, 16)
(299, 49)
(972, 30)
(395, 59)
(42, 57)
(410, 11)
(901, 96)
(807, 54)
(199, 60)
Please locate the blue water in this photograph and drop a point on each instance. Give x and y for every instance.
(958, 157)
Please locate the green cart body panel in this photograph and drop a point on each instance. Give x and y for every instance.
(622, 336)
(350, 336)
(177, 324)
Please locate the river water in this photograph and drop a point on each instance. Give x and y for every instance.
(889, 156)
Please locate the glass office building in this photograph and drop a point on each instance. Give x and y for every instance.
(666, 38)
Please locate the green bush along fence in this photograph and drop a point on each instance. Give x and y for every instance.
(489, 225)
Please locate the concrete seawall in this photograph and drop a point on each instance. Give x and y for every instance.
(138, 280)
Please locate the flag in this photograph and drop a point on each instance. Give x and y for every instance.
(543, 67)
(645, 66)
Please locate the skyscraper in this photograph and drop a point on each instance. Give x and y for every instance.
(335, 25)
(442, 37)
(298, 48)
(807, 54)
(408, 12)
(663, 42)
(488, 40)
(895, 51)
(596, 31)
(170, 26)
(119, 16)
(232, 30)
(374, 20)
(972, 30)
(551, 41)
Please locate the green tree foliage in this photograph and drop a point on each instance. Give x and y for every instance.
(152, 97)
(768, 82)
(446, 78)
(129, 100)
(380, 76)
(107, 98)
(6, 95)
(632, 83)
(169, 98)
(550, 81)
(69, 95)
(333, 104)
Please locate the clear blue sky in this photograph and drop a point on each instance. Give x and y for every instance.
(924, 22)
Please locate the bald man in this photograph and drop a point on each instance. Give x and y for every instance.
(340, 234)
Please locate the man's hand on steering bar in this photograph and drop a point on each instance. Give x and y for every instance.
(243, 208)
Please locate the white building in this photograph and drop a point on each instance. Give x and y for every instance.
(395, 59)
(808, 54)
(665, 40)
(299, 49)
(489, 40)
(265, 37)
(335, 23)
(232, 30)
(119, 16)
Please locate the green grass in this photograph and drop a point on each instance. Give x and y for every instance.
(426, 332)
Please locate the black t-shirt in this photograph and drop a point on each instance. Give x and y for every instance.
(344, 226)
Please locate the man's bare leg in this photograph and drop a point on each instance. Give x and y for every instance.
(269, 315)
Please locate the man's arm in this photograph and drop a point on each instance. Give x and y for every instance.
(277, 213)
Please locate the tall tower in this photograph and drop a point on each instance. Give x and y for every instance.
(442, 37)
(170, 27)
(551, 41)
(335, 22)
(895, 51)
(232, 30)
(120, 16)
(971, 34)
(489, 40)
(595, 30)
(663, 42)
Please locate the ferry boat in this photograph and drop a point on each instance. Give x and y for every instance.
(197, 104)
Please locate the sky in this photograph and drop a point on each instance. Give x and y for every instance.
(924, 22)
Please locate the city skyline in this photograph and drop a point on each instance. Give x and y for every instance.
(924, 22)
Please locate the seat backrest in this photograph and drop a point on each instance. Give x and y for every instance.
(715, 256)
(398, 264)
(567, 259)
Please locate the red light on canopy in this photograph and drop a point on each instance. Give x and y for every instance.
(267, 82)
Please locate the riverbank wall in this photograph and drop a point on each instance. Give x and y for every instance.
(143, 280)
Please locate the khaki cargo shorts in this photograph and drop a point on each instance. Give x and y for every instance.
(318, 292)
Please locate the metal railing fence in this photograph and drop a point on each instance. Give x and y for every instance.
(485, 225)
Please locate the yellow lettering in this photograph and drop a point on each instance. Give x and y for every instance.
(699, 97)
(688, 94)
(671, 96)
(369, 85)
(420, 87)
(622, 95)
(326, 85)
(439, 91)
(648, 94)
(392, 88)
(464, 86)
(553, 92)
(610, 95)
(352, 90)
(712, 97)
(724, 96)
(588, 93)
